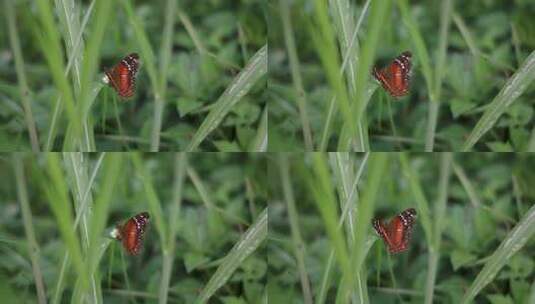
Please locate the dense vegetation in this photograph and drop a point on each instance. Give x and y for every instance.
(208, 223)
(200, 84)
(473, 236)
(471, 85)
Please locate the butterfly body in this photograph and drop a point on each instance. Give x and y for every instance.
(132, 232)
(395, 78)
(397, 233)
(122, 77)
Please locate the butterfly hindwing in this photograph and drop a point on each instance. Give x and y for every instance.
(122, 77)
(395, 78)
(132, 233)
(397, 233)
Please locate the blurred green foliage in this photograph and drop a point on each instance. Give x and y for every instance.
(501, 33)
(501, 192)
(212, 41)
(212, 218)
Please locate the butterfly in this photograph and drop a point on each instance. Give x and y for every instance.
(397, 233)
(395, 78)
(122, 77)
(131, 233)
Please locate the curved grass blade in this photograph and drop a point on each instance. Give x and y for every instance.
(513, 242)
(248, 243)
(515, 86)
(255, 69)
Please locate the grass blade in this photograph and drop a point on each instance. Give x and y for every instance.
(347, 37)
(21, 75)
(319, 184)
(293, 215)
(49, 40)
(378, 13)
(152, 197)
(419, 45)
(513, 88)
(440, 215)
(249, 242)
(513, 242)
(33, 247)
(445, 20)
(322, 35)
(55, 187)
(169, 252)
(165, 55)
(296, 73)
(260, 142)
(378, 163)
(242, 83)
(419, 197)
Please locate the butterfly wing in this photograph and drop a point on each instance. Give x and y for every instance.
(133, 231)
(395, 78)
(383, 232)
(408, 217)
(401, 230)
(122, 77)
(397, 233)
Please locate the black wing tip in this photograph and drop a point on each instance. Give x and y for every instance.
(411, 211)
(406, 54)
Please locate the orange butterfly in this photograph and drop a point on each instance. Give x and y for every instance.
(395, 78)
(122, 77)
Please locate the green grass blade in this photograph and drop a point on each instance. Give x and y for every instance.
(440, 215)
(74, 55)
(165, 55)
(331, 112)
(513, 88)
(319, 184)
(248, 243)
(21, 75)
(90, 64)
(467, 185)
(242, 83)
(440, 70)
(152, 197)
(346, 32)
(322, 35)
(467, 36)
(419, 197)
(33, 247)
(295, 70)
(111, 169)
(293, 215)
(55, 187)
(378, 163)
(149, 62)
(513, 242)
(378, 13)
(420, 49)
(174, 214)
(49, 40)
(260, 142)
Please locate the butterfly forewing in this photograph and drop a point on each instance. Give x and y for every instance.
(122, 77)
(397, 233)
(132, 233)
(395, 78)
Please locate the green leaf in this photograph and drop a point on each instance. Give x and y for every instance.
(515, 86)
(249, 242)
(513, 242)
(242, 83)
(193, 260)
(460, 258)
